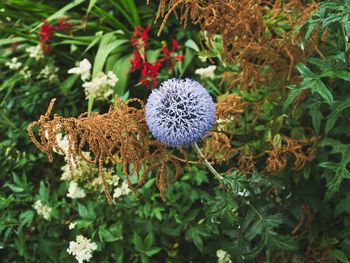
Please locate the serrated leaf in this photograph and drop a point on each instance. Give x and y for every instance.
(291, 97)
(138, 242)
(153, 251)
(282, 243)
(106, 235)
(86, 212)
(340, 256)
(323, 91)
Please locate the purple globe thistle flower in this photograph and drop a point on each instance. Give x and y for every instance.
(179, 112)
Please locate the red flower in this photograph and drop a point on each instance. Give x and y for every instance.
(64, 25)
(175, 45)
(46, 32)
(179, 58)
(150, 71)
(165, 51)
(14, 46)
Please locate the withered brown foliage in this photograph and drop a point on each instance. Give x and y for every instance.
(257, 34)
(230, 107)
(217, 146)
(246, 163)
(120, 136)
(302, 150)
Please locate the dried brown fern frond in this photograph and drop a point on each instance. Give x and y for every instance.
(217, 147)
(120, 136)
(303, 150)
(246, 163)
(256, 34)
(230, 106)
(117, 135)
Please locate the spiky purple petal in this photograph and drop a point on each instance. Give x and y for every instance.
(180, 112)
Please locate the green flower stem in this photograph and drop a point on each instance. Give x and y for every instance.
(210, 167)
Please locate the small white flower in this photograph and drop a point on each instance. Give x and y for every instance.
(49, 73)
(123, 190)
(117, 192)
(223, 256)
(13, 64)
(63, 144)
(111, 79)
(42, 209)
(35, 52)
(207, 72)
(101, 86)
(72, 226)
(74, 191)
(244, 193)
(203, 58)
(26, 73)
(114, 180)
(83, 69)
(81, 249)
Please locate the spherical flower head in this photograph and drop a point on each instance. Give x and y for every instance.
(180, 112)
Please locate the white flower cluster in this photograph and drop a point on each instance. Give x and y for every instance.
(100, 87)
(49, 73)
(207, 72)
(83, 170)
(72, 226)
(13, 64)
(81, 249)
(42, 209)
(122, 190)
(223, 256)
(25, 72)
(35, 52)
(74, 191)
(83, 69)
(62, 142)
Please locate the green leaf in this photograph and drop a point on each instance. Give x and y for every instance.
(338, 255)
(291, 97)
(60, 12)
(304, 71)
(105, 235)
(310, 28)
(137, 241)
(121, 70)
(153, 251)
(342, 206)
(68, 84)
(282, 243)
(43, 193)
(26, 218)
(317, 117)
(149, 240)
(108, 44)
(86, 212)
(189, 54)
(91, 5)
(191, 44)
(323, 91)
